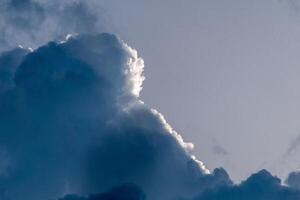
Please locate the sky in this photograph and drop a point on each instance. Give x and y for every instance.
(191, 100)
(224, 73)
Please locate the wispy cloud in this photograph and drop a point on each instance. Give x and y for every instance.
(219, 150)
(293, 147)
(293, 4)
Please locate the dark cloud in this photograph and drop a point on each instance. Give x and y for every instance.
(34, 22)
(259, 186)
(71, 121)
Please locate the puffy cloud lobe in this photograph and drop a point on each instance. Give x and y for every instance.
(71, 121)
(259, 186)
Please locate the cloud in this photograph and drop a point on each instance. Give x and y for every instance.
(123, 192)
(293, 180)
(72, 122)
(34, 22)
(219, 150)
(259, 186)
(4, 163)
(293, 4)
(9, 61)
(293, 147)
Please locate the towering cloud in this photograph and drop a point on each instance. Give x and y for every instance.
(71, 121)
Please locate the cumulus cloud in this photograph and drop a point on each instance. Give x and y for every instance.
(71, 121)
(259, 186)
(35, 22)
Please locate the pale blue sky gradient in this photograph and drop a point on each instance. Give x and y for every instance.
(224, 73)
